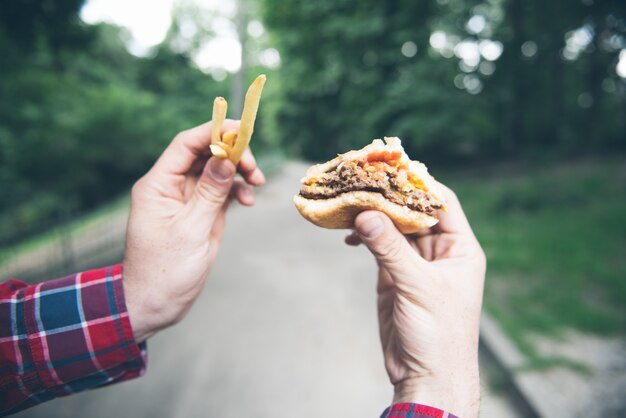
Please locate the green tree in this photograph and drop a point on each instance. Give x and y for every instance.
(81, 118)
(356, 70)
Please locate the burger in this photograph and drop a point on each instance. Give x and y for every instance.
(378, 177)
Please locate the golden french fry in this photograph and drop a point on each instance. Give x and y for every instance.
(218, 151)
(225, 147)
(248, 116)
(230, 137)
(220, 106)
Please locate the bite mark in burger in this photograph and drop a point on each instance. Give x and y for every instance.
(378, 177)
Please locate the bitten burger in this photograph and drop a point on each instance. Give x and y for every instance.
(378, 177)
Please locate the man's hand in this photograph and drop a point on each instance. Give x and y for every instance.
(430, 288)
(175, 227)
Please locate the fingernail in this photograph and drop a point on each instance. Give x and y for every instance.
(247, 191)
(259, 176)
(371, 227)
(221, 169)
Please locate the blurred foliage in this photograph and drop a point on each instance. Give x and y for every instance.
(555, 236)
(345, 80)
(81, 118)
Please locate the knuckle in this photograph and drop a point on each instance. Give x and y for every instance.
(477, 250)
(390, 251)
(482, 258)
(451, 195)
(482, 254)
(211, 193)
(448, 193)
(179, 141)
(137, 189)
(181, 136)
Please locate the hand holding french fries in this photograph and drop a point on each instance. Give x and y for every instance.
(233, 143)
(181, 203)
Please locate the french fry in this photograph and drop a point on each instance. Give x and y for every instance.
(220, 106)
(230, 137)
(248, 116)
(225, 147)
(218, 151)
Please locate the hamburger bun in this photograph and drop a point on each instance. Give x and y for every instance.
(339, 212)
(378, 177)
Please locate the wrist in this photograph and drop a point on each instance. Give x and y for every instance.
(456, 392)
(147, 316)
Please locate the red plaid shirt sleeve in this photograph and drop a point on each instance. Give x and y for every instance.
(414, 410)
(64, 336)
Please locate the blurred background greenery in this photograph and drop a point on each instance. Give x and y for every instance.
(520, 105)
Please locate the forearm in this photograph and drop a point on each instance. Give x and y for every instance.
(150, 308)
(64, 336)
(144, 321)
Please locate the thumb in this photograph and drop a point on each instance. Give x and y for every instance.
(212, 189)
(391, 249)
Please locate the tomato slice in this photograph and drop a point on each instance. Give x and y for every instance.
(381, 161)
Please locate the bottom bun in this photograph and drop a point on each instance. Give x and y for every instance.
(339, 212)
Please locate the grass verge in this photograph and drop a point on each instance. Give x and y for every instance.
(555, 238)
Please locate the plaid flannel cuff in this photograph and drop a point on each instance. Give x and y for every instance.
(414, 410)
(74, 334)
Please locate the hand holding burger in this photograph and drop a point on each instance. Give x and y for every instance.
(431, 269)
(430, 287)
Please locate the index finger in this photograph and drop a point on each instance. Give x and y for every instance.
(187, 147)
(452, 220)
(249, 170)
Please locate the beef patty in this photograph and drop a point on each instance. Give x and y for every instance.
(349, 178)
